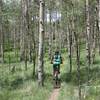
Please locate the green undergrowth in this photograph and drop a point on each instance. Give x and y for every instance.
(69, 88)
(21, 85)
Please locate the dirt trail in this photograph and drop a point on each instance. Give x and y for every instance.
(55, 94)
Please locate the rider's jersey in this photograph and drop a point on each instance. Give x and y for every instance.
(57, 59)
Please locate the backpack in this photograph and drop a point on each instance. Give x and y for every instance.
(57, 59)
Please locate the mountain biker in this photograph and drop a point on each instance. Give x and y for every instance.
(56, 61)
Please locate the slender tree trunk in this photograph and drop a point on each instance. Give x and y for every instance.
(99, 24)
(88, 55)
(94, 38)
(1, 34)
(34, 46)
(78, 63)
(9, 43)
(50, 34)
(69, 39)
(22, 37)
(29, 30)
(25, 30)
(41, 44)
(26, 39)
(15, 40)
(56, 32)
(34, 57)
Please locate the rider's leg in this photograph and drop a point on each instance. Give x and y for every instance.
(54, 68)
(59, 69)
(59, 75)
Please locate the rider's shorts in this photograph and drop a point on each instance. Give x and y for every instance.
(56, 67)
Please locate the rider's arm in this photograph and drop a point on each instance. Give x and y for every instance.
(61, 60)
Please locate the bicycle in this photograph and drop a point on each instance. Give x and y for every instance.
(56, 78)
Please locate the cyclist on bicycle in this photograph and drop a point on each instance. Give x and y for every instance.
(56, 61)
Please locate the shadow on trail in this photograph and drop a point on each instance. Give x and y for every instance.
(73, 79)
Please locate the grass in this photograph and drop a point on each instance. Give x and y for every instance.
(20, 85)
(69, 89)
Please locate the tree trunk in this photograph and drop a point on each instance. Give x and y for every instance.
(94, 38)
(50, 35)
(78, 63)
(69, 39)
(99, 24)
(29, 30)
(1, 34)
(26, 37)
(41, 44)
(88, 55)
(22, 37)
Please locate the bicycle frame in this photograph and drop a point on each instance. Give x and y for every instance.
(56, 79)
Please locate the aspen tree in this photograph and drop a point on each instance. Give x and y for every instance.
(41, 44)
(1, 33)
(88, 53)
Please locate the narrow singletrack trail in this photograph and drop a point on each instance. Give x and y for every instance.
(54, 94)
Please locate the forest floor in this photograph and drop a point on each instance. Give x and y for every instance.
(55, 94)
(20, 85)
